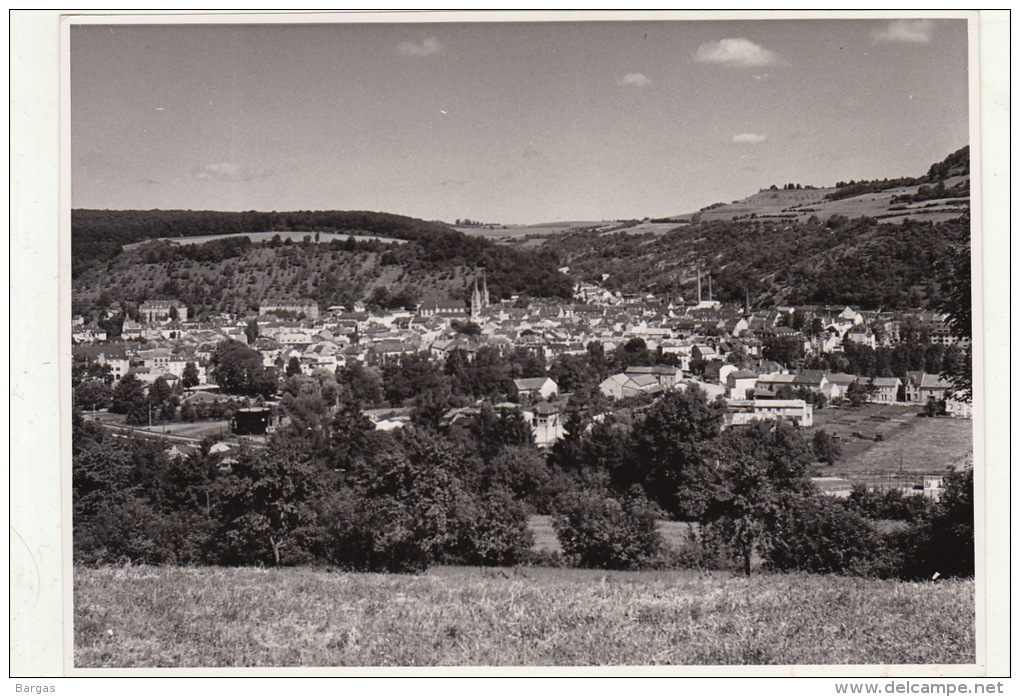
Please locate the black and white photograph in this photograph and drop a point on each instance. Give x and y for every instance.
(648, 341)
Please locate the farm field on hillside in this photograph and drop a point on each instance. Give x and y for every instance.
(260, 237)
(926, 445)
(528, 616)
(518, 233)
(802, 204)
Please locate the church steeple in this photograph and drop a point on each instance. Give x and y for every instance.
(479, 296)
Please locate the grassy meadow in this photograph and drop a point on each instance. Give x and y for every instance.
(906, 443)
(137, 616)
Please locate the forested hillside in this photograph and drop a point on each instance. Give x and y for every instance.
(860, 262)
(100, 234)
(233, 274)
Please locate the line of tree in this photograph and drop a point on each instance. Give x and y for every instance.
(748, 488)
(330, 488)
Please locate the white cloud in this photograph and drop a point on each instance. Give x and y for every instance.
(427, 47)
(748, 138)
(227, 172)
(737, 52)
(634, 80)
(907, 31)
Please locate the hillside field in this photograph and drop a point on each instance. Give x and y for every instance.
(261, 237)
(893, 439)
(801, 204)
(524, 616)
(522, 234)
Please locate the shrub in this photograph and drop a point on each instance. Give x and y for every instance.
(826, 447)
(818, 535)
(598, 531)
(891, 505)
(543, 557)
(490, 530)
(370, 534)
(943, 541)
(698, 551)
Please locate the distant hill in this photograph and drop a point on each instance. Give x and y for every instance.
(100, 234)
(119, 257)
(881, 249)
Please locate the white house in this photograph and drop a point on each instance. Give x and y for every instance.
(535, 389)
(546, 423)
(795, 411)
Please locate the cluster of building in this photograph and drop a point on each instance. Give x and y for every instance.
(165, 339)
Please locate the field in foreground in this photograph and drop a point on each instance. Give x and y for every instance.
(453, 616)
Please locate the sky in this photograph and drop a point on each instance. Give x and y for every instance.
(506, 122)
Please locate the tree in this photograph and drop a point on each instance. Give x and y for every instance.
(423, 510)
(238, 368)
(602, 532)
(410, 375)
(91, 395)
(267, 497)
(799, 320)
(128, 395)
(161, 400)
(956, 303)
(519, 470)
(91, 371)
(943, 541)
(762, 470)
(360, 384)
(349, 436)
(784, 350)
(826, 447)
(293, 367)
(669, 451)
(495, 431)
(189, 376)
(818, 535)
(859, 392)
(817, 327)
(251, 332)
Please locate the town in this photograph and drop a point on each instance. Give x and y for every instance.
(775, 363)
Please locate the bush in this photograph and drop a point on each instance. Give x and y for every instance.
(891, 505)
(598, 531)
(490, 530)
(818, 535)
(544, 557)
(827, 448)
(370, 534)
(698, 551)
(943, 541)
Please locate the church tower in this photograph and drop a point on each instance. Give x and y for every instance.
(476, 300)
(479, 296)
